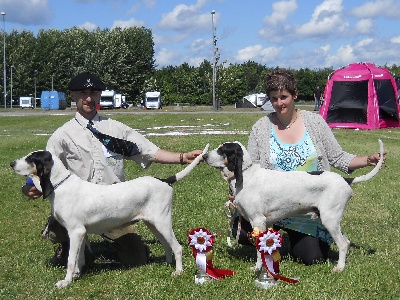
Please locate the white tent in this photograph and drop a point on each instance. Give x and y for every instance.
(259, 100)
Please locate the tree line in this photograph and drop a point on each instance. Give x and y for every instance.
(124, 59)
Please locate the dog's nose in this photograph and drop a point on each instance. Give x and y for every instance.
(12, 164)
(205, 156)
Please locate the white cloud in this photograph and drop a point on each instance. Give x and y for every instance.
(364, 43)
(165, 57)
(201, 44)
(395, 39)
(27, 12)
(194, 61)
(280, 11)
(324, 49)
(372, 9)
(344, 55)
(276, 26)
(326, 19)
(364, 26)
(186, 18)
(88, 26)
(257, 52)
(325, 26)
(126, 24)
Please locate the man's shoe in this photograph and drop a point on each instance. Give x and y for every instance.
(60, 258)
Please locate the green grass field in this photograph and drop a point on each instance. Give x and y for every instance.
(371, 221)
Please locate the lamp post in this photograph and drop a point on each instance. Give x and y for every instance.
(11, 86)
(4, 59)
(214, 70)
(34, 102)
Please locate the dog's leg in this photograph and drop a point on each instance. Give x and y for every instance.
(76, 251)
(259, 222)
(164, 233)
(331, 220)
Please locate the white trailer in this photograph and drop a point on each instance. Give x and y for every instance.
(26, 102)
(117, 100)
(107, 99)
(153, 100)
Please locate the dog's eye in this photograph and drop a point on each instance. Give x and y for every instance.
(220, 151)
(29, 160)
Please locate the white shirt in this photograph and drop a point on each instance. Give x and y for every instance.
(84, 155)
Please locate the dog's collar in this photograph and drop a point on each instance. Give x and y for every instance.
(248, 167)
(61, 182)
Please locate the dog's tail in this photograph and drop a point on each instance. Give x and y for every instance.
(374, 171)
(187, 170)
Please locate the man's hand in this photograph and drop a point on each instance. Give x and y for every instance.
(31, 191)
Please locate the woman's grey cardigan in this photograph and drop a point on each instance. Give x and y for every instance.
(329, 152)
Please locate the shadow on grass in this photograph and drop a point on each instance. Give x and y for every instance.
(104, 257)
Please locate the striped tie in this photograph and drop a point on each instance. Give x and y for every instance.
(116, 145)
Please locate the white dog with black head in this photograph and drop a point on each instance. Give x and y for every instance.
(264, 196)
(83, 207)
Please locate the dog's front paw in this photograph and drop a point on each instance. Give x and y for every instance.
(177, 273)
(63, 283)
(337, 269)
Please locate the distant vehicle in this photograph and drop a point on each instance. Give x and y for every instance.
(107, 99)
(153, 100)
(117, 100)
(110, 99)
(26, 102)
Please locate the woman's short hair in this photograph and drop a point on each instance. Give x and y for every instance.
(279, 79)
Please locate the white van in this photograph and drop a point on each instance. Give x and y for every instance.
(153, 100)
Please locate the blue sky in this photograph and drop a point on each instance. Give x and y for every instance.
(288, 33)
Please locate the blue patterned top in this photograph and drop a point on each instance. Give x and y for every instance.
(300, 157)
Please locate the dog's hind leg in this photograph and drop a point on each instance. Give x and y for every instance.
(75, 256)
(332, 224)
(164, 233)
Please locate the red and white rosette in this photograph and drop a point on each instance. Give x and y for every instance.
(268, 244)
(201, 240)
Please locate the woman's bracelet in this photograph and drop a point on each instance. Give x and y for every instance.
(181, 158)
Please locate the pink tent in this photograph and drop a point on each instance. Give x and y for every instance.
(362, 96)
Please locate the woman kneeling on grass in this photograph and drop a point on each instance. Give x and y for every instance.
(290, 139)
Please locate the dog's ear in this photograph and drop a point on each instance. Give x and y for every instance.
(234, 155)
(43, 162)
(238, 167)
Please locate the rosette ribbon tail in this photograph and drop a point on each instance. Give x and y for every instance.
(217, 273)
(201, 240)
(273, 267)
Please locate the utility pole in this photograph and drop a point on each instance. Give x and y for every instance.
(215, 61)
(4, 59)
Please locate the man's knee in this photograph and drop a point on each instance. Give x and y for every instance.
(56, 233)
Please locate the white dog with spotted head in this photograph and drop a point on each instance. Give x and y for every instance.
(264, 196)
(83, 207)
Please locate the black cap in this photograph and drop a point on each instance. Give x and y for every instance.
(86, 80)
